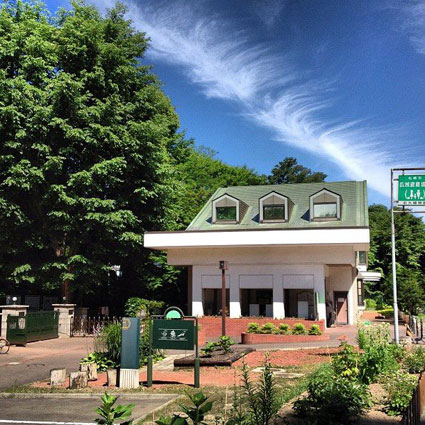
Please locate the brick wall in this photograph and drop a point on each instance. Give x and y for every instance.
(211, 325)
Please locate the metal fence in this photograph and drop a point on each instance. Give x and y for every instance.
(91, 326)
(35, 326)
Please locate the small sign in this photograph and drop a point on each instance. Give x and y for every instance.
(411, 189)
(173, 334)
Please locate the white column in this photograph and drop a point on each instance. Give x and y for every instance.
(66, 316)
(197, 307)
(319, 287)
(235, 301)
(278, 301)
(351, 297)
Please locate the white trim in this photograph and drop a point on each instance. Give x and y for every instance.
(255, 281)
(315, 237)
(370, 276)
(231, 198)
(328, 192)
(285, 203)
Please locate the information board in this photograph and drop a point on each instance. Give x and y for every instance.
(411, 189)
(173, 334)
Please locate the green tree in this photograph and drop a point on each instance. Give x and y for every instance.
(289, 171)
(410, 256)
(84, 131)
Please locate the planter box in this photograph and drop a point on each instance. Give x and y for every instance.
(211, 325)
(248, 338)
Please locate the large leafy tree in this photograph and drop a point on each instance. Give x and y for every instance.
(289, 171)
(410, 255)
(84, 130)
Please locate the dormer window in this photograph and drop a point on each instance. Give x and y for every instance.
(273, 208)
(226, 209)
(325, 206)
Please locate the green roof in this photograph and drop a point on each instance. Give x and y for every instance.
(353, 195)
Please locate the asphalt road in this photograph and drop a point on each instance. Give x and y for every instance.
(23, 365)
(58, 409)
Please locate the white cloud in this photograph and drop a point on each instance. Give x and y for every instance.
(413, 13)
(268, 90)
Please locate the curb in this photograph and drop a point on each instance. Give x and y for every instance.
(87, 395)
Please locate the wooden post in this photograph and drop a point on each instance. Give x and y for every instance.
(223, 302)
(421, 391)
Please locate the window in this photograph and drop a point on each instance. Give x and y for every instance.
(325, 210)
(360, 292)
(225, 213)
(273, 212)
(227, 209)
(362, 258)
(273, 207)
(325, 206)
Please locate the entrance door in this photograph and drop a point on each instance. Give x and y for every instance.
(341, 305)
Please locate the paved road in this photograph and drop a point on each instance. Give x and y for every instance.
(23, 365)
(50, 409)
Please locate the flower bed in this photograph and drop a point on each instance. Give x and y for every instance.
(250, 338)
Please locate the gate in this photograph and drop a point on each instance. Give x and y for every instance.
(91, 326)
(32, 327)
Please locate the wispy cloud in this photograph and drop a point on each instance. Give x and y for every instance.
(413, 14)
(268, 11)
(268, 89)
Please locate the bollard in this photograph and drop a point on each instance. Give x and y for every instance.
(150, 367)
(197, 372)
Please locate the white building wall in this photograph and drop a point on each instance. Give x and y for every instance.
(275, 268)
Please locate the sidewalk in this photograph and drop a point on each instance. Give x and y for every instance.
(23, 365)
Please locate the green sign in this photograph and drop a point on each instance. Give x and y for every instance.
(173, 334)
(411, 189)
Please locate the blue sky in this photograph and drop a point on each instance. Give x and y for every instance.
(338, 84)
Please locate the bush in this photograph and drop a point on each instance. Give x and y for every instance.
(315, 330)
(370, 304)
(346, 362)
(135, 305)
(253, 328)
(111, 414)
(102, 361)
(299, 329)
(284, 328)
(225, 343)
(388, 313)
(379, 354)
(332, 398)
(268, 328)
(415, 361)
(399, 387)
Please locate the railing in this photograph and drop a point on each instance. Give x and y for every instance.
(415, 413)
(91, 326)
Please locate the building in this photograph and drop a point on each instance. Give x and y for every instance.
(294, 250)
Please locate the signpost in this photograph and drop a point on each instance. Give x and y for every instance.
(410, 192)
(130, 335)
(174, 331)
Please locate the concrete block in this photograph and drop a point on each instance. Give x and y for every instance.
(91, 369)
(78, 380)
(129, 378)
(57, 376)
(111, 375)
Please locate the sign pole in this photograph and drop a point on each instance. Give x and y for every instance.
(394, 266)
(150, 360)
(223, 302)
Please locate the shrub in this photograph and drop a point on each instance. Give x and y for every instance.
(208, 349)
(135, 305)
(315, 330)
(388, 313)
(225, 343)
(110, 414)
(284, 328)
(346, 362)
(261, 397)
(299, 329)
(379, 355)
(101, 360)
(415, 361)
(332, 398)
(370, 304)
(268, 328)
(399, 387)
(253, 328)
